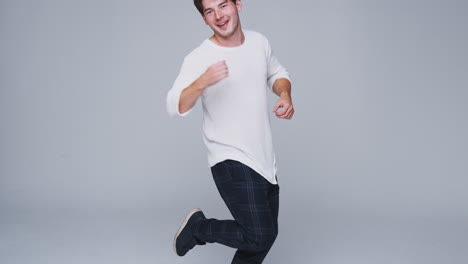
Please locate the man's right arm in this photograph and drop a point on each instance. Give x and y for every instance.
(190, 94)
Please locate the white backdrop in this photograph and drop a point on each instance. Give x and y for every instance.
(372, 168)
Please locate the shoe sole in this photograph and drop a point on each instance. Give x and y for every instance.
(184, 223)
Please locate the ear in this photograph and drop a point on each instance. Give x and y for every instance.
(239, 5)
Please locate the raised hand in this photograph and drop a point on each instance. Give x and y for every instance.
(214, 74)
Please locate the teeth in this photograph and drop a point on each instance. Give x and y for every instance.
(222, 24)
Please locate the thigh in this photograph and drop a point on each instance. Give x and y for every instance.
(273, 199)
(247, 194)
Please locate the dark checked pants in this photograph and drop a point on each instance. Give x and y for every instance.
(253, 202)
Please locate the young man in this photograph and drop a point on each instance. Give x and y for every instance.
(232, 72)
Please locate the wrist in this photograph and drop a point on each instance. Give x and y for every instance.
(199, 85)
(285, 95)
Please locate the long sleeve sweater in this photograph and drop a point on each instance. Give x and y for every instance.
(236, 121)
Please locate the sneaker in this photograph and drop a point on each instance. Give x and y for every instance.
(184, 239)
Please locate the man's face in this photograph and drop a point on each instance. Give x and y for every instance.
(222, 16)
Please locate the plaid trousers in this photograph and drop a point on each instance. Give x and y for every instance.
(253, 203)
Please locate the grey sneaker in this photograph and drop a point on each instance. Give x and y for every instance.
(184, 239)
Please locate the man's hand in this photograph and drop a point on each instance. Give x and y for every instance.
(214, 74)
(287, 109)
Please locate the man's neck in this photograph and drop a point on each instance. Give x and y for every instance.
(235, 40)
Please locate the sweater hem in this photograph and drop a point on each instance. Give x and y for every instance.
(271, 178)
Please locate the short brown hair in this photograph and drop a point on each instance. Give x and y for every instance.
(198, 4)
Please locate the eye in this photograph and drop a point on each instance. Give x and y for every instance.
(208, 12)
(223, 6)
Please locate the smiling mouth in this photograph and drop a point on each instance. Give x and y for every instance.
(223, 25)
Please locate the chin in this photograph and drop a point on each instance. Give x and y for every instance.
(226, 34)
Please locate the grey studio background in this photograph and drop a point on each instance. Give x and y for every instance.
(372, 168)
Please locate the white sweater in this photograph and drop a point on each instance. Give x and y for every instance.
(236, 121)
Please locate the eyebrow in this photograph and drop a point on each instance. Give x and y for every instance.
(222, 3)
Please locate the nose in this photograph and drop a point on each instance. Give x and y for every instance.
(217, 14)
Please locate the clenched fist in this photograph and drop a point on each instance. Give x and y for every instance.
(287, 109)
(214, 74)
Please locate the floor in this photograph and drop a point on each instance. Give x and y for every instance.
(64, 236)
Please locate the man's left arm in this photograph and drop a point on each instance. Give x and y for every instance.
(282, 88)
(279, 81)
